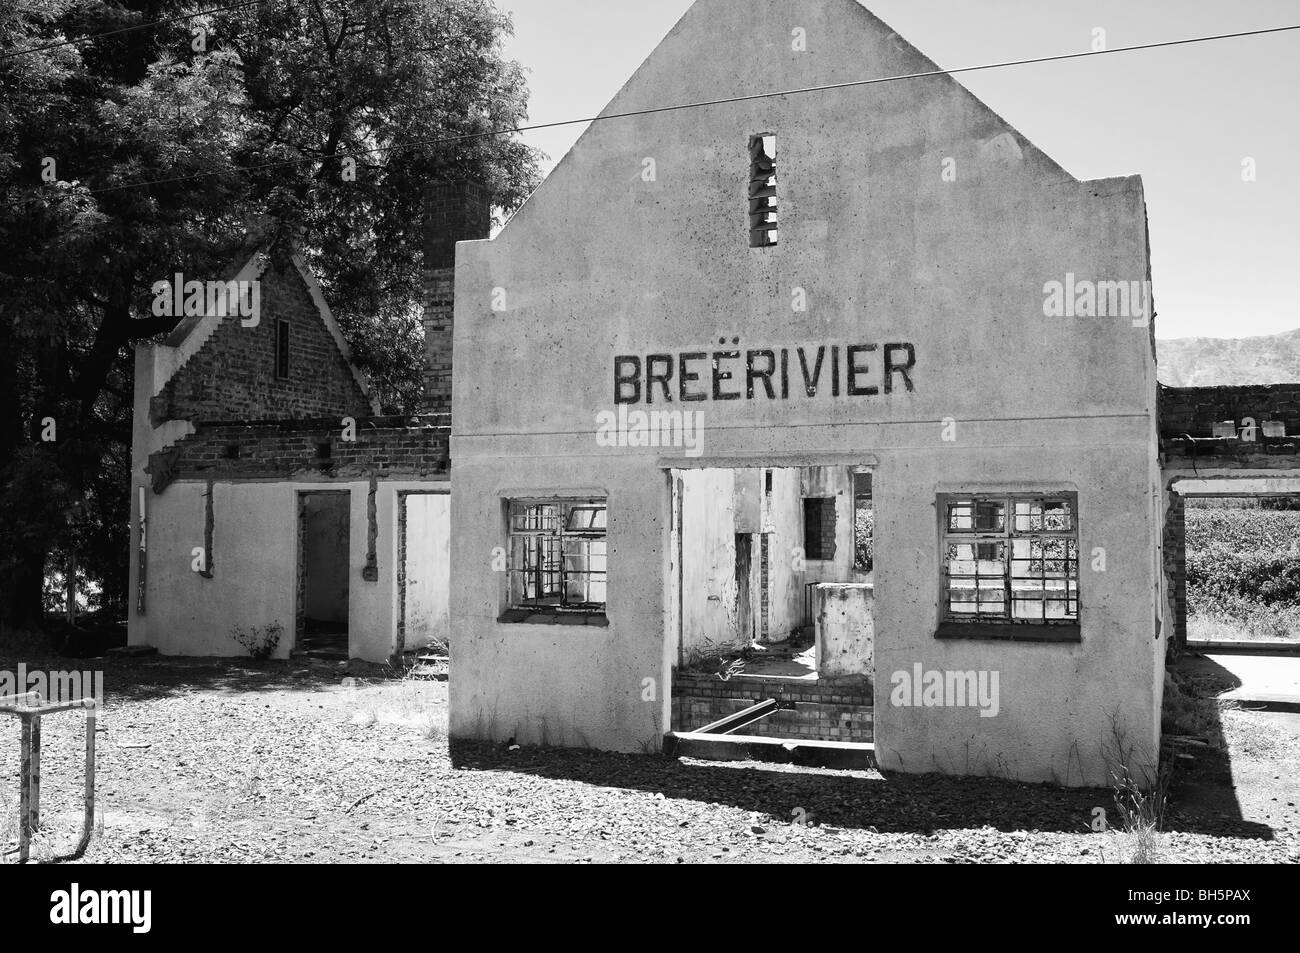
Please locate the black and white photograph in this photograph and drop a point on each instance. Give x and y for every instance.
(650, 432)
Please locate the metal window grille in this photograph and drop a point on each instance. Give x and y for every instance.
(1010, 559)
(557, 554)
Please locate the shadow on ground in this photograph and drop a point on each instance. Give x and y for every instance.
(888, 803)
(151, 677)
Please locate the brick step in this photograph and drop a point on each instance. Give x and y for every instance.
(844, 755)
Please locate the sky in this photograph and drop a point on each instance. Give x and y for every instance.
(1225, 253)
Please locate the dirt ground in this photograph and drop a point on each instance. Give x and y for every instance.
(216, 761)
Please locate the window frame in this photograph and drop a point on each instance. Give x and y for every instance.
(764, 219)
(977, 625)
(549, 563)
(283, 336)
(822, 502)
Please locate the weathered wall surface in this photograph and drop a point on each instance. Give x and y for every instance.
(844, 630)
(1195, 410)
(233, 375)
(427, 569)
(785, 597)
(606, 261)
(709, 596)
(254, 566)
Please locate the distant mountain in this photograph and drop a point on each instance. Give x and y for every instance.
(1209, 362)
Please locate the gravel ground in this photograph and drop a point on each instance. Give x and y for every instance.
(246, 762)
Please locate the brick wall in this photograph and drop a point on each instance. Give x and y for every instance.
(1175, 549)
(460, 211)
(384, 446)
(822, 711)
(1195, 410)
(232, 376)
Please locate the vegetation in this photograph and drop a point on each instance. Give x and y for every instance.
(165, 147)
(260, 641)
(1243, 570)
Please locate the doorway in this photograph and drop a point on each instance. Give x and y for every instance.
(324, 524)
(771, 602)
(424, 571)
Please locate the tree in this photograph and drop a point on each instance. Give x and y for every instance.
(169, 148)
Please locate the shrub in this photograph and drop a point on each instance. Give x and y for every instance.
(259, 641)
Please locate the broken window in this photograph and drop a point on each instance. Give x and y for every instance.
(557, 554)
(1010, 559)
(762, 191)
(282, 350)
(863, 523)
(819, 527)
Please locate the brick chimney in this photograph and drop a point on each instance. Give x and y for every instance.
(454, 212)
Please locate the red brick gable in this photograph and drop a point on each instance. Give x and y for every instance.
(232, 376)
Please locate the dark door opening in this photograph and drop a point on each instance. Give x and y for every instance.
(323, 528)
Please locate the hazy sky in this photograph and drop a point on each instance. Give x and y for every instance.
(1225, 253)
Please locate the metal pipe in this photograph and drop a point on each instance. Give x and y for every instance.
(25, 790)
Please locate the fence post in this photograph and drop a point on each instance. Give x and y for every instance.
(25, 790)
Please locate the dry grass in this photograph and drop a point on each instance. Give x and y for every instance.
(405, 703)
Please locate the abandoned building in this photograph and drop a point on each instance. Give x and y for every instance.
(801, 307)
(272, 508)
(767, 435)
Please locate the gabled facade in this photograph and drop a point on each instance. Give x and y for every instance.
(269, 498)
(850, 281)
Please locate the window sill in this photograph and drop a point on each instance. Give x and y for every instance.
(543, 617)
(1004, 632)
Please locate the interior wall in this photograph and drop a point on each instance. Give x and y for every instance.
(836, 482)
(428, 569)
(785, 541)
(709, 591)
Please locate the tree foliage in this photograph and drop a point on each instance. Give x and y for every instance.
(169, 148)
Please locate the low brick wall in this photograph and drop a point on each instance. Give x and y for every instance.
(1195, 410)
(822, 711)
(384, 447)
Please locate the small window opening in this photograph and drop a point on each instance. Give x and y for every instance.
(231, 451)
(323, 451)
(557, 555)
(864, 524)
(282, 350)
(819, 527)
(762, 191)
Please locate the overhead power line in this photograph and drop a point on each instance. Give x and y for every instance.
(467, 137)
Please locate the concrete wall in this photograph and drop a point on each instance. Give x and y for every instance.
(254, 571)
(709, 608)
(428, 569)
(785, 596)
(845, 631)
(604, 261)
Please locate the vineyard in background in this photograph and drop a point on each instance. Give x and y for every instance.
(1243, 569)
